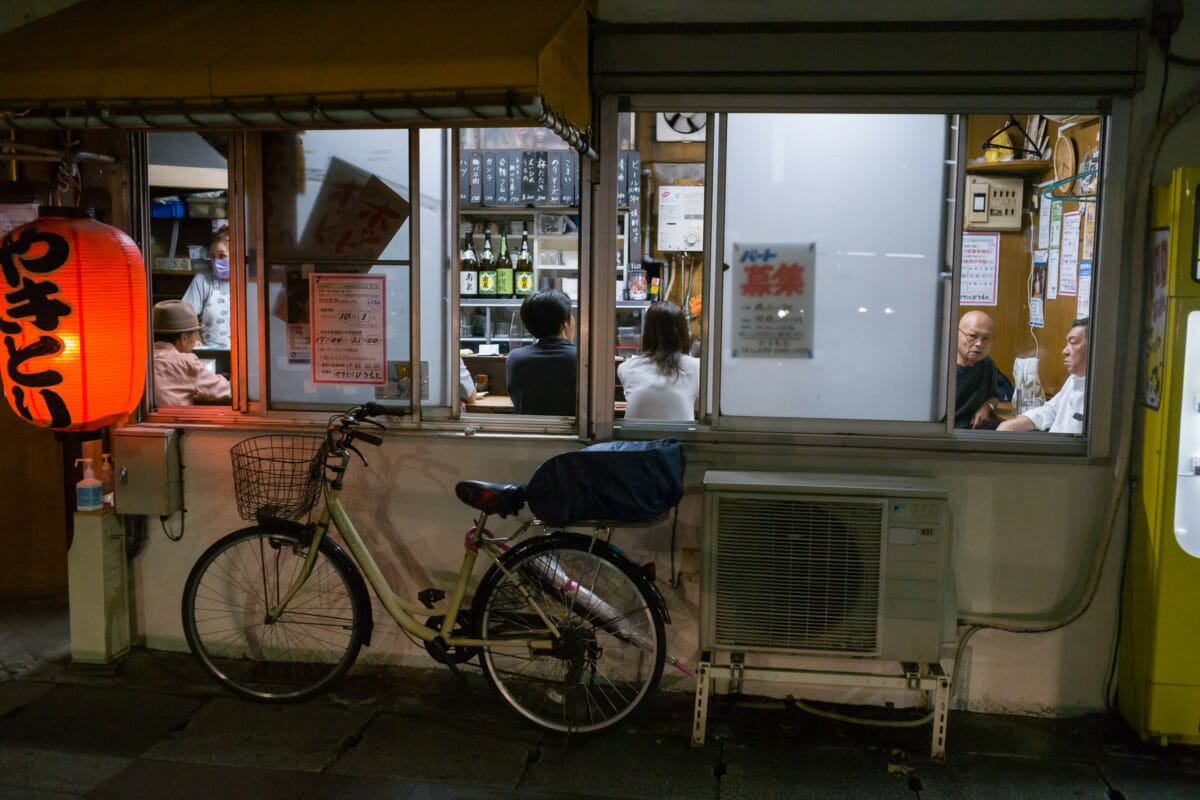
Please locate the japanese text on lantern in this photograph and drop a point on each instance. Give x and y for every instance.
(773, 300)
(32, 312)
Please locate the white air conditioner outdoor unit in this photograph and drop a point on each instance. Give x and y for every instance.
(826, 564)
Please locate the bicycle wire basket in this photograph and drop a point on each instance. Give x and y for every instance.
(277, 476)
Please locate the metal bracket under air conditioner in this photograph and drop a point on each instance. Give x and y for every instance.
(922, 677)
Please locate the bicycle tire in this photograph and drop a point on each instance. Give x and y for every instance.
(610, 656)
(311, 645)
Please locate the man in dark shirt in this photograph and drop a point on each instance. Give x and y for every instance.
(541, 376)
(981, 385)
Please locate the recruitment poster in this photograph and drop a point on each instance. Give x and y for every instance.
(347, 328)
(773, 300)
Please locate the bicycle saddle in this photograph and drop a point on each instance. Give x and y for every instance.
(492, 498)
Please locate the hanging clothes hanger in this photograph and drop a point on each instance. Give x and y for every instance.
(1019, 145)
(1048, 189)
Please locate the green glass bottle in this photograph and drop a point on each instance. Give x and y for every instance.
(468, 269)
(504, 269)
(523, 273)
(487, 266)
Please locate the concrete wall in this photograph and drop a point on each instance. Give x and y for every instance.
(1022, 539)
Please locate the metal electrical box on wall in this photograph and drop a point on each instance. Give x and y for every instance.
(148, 478)
(993, 204)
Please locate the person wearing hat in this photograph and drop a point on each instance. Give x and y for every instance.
(180, 379)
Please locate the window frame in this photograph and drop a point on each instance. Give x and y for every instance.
(936, 435)
(596, 376)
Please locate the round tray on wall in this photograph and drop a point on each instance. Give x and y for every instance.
(1064, 163)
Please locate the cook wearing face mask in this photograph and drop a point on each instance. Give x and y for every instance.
(209, 294)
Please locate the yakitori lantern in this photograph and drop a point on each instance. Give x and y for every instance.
(72, 321)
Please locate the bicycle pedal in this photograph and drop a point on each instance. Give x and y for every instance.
(428, 597)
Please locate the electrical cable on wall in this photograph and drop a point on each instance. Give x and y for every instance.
(162, 520)
(1126, 376)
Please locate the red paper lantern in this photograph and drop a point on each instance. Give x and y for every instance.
(72, 322)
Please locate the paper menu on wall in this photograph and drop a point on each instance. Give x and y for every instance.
(980, 269)
(1068, 264)
(1083, 302)
(347, 328)
(1056, 216)
(1052, 274)
(1052, 262)
(1036, 315)
(1044, 225)
(1087, 237)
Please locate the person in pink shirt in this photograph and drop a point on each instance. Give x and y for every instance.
(180, 378)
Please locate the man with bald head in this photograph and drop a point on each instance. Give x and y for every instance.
(981, 385)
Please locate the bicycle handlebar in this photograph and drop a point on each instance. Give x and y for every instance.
(379, 409)
(343, 428)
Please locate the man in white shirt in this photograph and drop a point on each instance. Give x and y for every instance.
(1064, 412)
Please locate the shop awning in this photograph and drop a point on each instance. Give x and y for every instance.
(298, 63)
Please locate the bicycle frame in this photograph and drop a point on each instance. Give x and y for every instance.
(404, 613)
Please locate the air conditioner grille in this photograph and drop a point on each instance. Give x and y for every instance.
(798, 574)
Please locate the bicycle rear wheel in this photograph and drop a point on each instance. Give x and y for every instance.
(308, 647)
(609, 656)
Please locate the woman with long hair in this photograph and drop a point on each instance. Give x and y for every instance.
(662, 381)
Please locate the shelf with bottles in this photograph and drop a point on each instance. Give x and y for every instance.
(553, 245)
(534, 240)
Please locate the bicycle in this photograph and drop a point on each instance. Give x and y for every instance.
(568, 630)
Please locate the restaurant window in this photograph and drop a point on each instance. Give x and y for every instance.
(659, 266)
(339, 205)
(850, 249)
(190, 259)
(518, 236)
(834, 229)
(1031, 197)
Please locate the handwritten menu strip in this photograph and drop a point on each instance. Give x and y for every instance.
(489, 178)
(1068, 264)
(347, 328)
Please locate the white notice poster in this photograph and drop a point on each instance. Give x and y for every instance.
(1044, 225)
(347, 329)
(1052, 264)
(1083, 302)
(980, 269)
(1037, 317)
(1068, 264)
(773, 300)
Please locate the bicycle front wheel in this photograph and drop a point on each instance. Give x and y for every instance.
(608, 656)
(299, 653)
